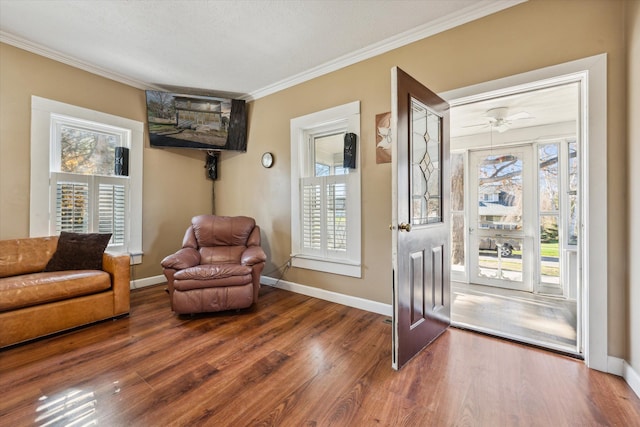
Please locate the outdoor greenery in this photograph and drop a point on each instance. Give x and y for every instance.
(550, 249)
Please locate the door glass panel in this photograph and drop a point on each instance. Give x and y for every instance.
(500, 258)
(426, 206)
(500, 193)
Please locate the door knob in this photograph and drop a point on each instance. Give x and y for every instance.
(404, 226)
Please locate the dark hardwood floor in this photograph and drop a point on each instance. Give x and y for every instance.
(293, 361)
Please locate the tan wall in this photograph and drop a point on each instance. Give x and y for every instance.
(633, 113)
(174, 186)
(532, 35)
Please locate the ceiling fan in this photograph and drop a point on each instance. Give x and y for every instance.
(500, 119)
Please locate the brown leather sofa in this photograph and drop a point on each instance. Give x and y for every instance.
(218, 267)
(34, 303)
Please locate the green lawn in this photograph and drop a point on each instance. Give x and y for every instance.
(550, 249)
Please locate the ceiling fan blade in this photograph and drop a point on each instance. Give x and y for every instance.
(490, 119)
(484, 125)
(518, 116)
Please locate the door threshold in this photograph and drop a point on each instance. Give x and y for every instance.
(559, 349)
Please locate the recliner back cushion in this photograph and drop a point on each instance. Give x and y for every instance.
(211, 230)
(221, 254)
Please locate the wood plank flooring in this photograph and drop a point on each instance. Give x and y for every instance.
(293, 361)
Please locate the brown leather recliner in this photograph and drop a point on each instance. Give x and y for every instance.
(218, 267)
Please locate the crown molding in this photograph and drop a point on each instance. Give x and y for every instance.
(478, 10)
(29, 46)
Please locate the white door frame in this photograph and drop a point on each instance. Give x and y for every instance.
(592, 72)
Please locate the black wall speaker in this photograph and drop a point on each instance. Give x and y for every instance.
(122, 161)
(349, 160)
(211, 165)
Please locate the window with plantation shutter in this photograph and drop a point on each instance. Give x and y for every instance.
(325, 231)
(77, 180)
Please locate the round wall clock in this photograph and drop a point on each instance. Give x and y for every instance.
(267, 160)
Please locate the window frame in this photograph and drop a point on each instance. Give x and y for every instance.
(45, 116)
(343, 118)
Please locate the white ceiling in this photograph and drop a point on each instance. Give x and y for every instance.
(545, 107)
(243, 48)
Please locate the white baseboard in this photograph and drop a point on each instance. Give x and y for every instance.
(147, 281)
(615, 365)
(356, 302)
(620, 367)
(632, 378)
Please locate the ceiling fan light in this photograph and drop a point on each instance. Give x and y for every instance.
(502, 127)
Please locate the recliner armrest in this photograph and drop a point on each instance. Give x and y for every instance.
(253, 255)
(184, 258)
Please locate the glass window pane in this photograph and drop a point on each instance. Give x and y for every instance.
(548, 173)
(87, 152)
(457, 241)
(549, 250)
(328, 152)
(572, 217)
(457, 182)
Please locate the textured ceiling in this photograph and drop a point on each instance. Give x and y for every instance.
(242, 47)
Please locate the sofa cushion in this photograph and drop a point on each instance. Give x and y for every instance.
(79, 251)
(38, 288)
(23, 256)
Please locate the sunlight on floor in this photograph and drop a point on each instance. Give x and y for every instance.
(542, 320)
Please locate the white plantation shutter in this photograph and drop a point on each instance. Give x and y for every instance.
(90, 204)
(336, 214)
(71, 206)
(112, 211)
(311, 214)
(324, 215)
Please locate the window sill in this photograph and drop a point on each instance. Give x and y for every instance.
(136, 258)
(342, 268)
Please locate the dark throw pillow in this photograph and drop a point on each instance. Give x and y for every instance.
(79, 251)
